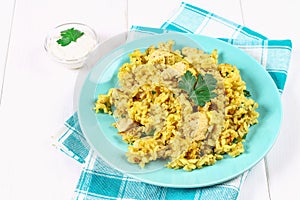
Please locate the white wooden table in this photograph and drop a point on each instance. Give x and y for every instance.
(36, 94)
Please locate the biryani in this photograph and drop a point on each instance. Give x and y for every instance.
(179, 105)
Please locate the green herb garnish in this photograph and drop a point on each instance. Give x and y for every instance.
(235, 141)
(246, 93)
(68, 36)
(199, 89)
(151, 133)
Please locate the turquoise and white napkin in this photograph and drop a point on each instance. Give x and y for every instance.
(99, 181)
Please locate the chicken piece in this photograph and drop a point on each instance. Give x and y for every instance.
(125, 124)
(198, 125)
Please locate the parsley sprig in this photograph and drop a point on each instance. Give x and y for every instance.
(199, 89)
(68, 36)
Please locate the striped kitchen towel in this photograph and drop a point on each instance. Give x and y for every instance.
(100, 181)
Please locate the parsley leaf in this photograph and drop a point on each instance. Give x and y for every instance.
(68, 36)
(187, 82)
(235, 141)
(200, 90)
(246, 93)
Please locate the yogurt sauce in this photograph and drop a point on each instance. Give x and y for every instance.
(73, 51)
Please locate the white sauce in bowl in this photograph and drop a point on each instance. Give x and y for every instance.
(73, 51)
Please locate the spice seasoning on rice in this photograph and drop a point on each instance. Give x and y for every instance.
(180, 105)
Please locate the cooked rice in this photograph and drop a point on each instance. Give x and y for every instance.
(159, 121)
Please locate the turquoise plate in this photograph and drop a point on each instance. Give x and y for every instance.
(104, 139)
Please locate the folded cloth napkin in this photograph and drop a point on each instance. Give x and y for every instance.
(99, 181)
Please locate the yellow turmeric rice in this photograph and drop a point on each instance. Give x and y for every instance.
(180, 105)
